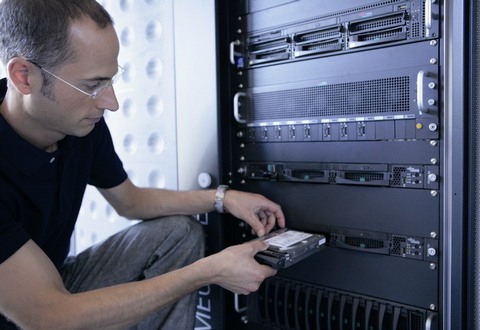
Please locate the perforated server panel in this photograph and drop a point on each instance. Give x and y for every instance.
(336, 113)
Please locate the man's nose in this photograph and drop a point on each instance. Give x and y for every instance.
(108, 99)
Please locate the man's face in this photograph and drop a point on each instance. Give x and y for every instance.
(67, 111)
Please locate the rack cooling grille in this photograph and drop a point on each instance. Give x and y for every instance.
(388, 95)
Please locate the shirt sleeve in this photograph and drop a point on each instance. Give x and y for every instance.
(12, 234)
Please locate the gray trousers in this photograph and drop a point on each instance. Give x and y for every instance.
(142, 251)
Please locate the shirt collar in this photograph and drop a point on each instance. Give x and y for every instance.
(3, 89)
(26, 157)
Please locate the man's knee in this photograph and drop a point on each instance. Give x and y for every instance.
(184, 229)
(194, 232)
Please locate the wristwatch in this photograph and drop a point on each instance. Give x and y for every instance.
(220, 197)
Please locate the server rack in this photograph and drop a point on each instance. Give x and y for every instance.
(349, 115)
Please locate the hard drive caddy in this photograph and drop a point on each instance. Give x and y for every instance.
(288, 247)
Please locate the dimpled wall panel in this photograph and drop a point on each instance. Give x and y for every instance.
(144, 128)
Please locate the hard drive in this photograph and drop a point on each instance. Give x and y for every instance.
(288, 247)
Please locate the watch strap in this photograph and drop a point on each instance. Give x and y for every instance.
(220, 197)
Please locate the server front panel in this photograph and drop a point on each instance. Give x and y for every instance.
(336, 114)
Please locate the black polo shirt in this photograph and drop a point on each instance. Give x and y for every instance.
(41, 192)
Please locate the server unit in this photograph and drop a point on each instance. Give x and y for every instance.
(345, 113)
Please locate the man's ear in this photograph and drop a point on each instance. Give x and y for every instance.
(21, 73)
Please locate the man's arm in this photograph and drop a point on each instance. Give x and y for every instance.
(33, 296)
(148, 203)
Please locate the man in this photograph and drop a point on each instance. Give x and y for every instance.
(61, 61)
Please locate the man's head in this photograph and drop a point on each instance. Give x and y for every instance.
(39, 30)
(57, 53)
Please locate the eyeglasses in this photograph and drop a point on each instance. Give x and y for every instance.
(96, 90)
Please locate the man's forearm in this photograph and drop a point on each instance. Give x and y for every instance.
(148, 203)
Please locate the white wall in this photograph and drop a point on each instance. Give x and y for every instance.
(165, 130)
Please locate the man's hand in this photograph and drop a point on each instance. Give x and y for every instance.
(259, 212)
(236, 269)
